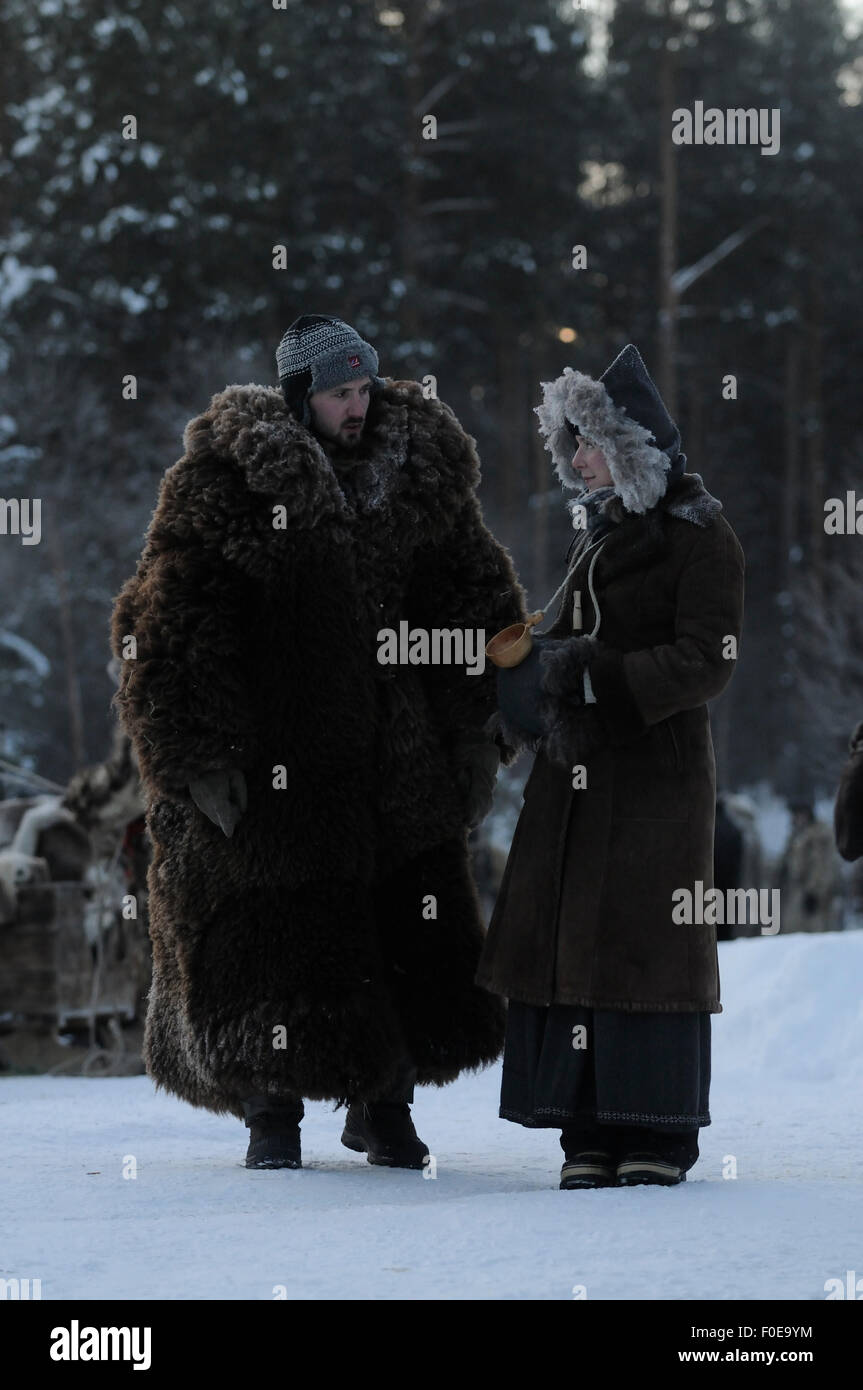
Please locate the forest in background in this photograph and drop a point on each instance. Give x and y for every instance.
(304, 127)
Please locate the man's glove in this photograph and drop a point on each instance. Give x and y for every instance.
(221, 796)
(477, 760)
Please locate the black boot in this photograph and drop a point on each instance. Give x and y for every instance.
(384, 1131)
(588, 1158)
(274, 1131)
(655, 1157)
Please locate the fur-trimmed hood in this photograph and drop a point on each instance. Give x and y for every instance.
(639, 470)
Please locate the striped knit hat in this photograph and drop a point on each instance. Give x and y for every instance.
(317, 352)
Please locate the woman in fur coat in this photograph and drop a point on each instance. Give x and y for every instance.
(610, 995)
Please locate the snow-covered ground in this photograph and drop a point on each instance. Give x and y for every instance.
(492, 1224)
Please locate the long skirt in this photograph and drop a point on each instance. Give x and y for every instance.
(566, 1065)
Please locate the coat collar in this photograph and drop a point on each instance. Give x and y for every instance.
(686, 498)
(251, 427)
(251, 474)
(638, 541)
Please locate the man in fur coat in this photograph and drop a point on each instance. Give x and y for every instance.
(314, 921)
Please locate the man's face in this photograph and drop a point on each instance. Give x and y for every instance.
(340, 412)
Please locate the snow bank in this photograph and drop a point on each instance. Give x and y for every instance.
(792, 1007)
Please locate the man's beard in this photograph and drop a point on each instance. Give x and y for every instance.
(349, 439)
(345, 447)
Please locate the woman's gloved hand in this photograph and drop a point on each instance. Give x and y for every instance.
(477, 761)
(222, 796)
(520, 695)
(544, 697)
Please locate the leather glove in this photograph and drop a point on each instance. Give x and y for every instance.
(222, 797)
(477, 760)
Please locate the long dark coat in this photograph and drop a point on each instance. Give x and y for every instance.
(584, 915)
(302, 954)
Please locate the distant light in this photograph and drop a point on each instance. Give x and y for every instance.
(567, 335)
(392, 18)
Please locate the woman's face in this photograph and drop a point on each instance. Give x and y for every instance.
(589, 462)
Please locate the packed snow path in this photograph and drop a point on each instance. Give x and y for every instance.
(492, 1224)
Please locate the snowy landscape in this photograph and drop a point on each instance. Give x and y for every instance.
(314, 317)
(195, 1224)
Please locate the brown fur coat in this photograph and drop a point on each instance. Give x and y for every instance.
(585, 911)
(301, 954)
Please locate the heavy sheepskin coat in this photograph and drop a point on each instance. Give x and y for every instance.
(619, 808)
(338, 930)
(584, 915)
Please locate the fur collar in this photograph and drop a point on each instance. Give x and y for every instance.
(252, 427)
(636, 542)
(637, 467)
(686, 498)
(246, 455)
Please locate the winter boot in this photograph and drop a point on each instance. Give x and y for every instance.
(648, 1168)
(587, 1161)
(274, 1131)
(659, 1157)
(384, 1131)
(592, 1168)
